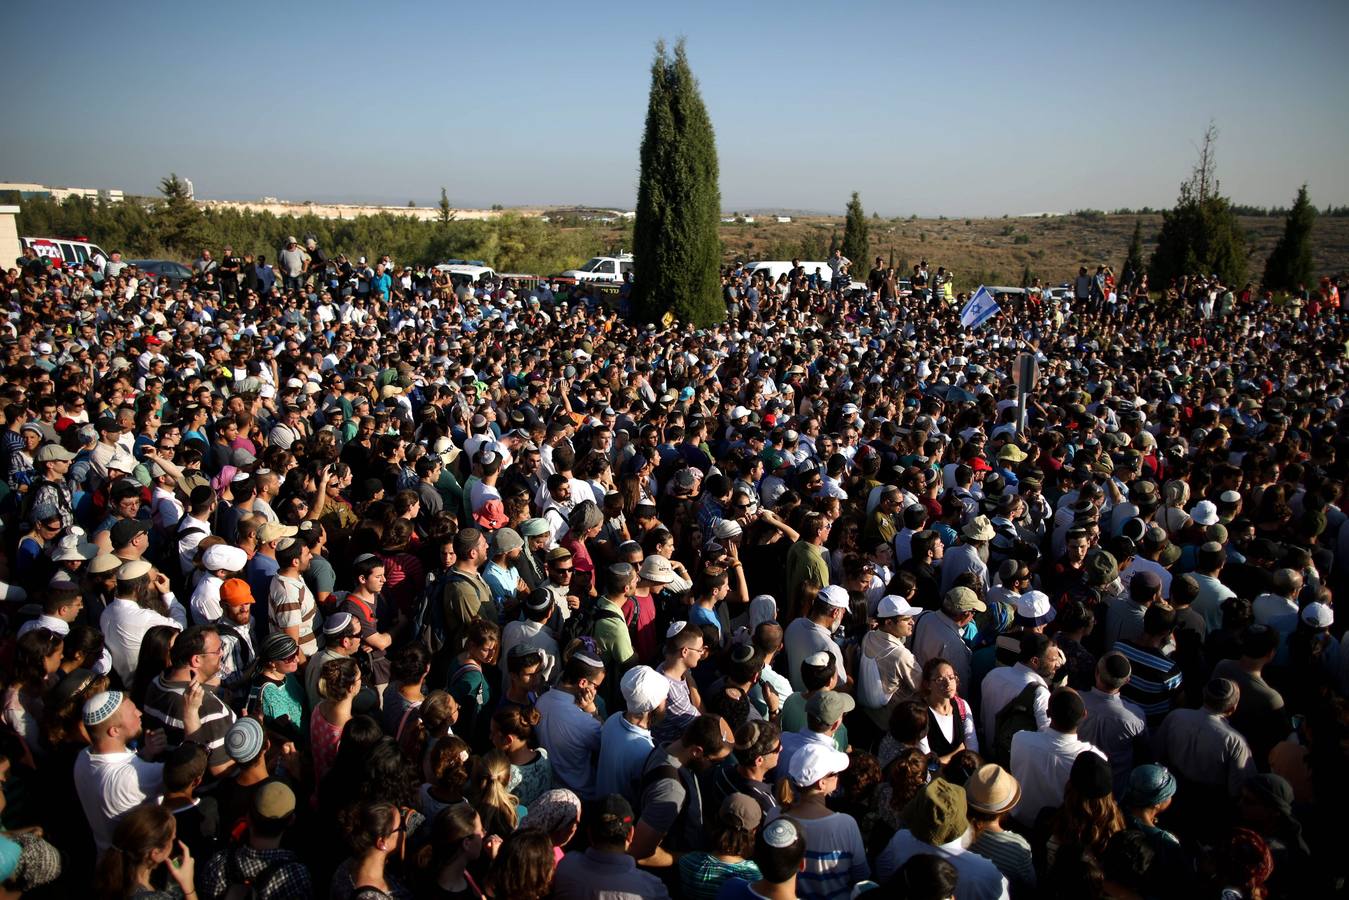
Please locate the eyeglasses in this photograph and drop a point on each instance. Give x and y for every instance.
(946, 679)
(564, 570)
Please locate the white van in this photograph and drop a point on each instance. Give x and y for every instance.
(603, 268)
(467, 272)
(66, 251)
(773, 270)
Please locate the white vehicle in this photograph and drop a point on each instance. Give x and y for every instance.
(467, 271)
(773, 270)
(66, 251)
(603, 268)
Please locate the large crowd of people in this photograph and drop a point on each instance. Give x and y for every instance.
(352, 580)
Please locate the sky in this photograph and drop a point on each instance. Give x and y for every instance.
(926, 108)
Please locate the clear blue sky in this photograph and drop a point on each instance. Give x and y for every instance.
(925, 108)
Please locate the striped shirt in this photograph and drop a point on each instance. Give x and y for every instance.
(290, 604)
(1154, 681)
(836, 858)
(163, 708)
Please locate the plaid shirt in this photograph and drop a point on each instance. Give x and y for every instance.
(287, 878)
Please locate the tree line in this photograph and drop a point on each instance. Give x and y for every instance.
(173, 226)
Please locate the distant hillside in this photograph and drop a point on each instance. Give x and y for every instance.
(997, 251)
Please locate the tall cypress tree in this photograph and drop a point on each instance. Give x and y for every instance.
(1290, 263)
(1200, 235)
(676, 249)
(855, 241)
(1133, 260)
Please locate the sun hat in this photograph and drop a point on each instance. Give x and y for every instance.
(1033, 609)
(937, 815)
(657, 569)
(980, 529)
(992, 790)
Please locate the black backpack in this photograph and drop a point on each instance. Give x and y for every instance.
(580, 625)
(1017, 715)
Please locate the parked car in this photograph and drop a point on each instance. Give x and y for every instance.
(68, 252)
(603, 268)
(175, 272)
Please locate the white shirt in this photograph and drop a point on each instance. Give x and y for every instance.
(979, 877)
(1141, 564)
(1041, 762)
(124, 624)
(1001, 686)
(205, 602)
(165, 509)
(572, 738)
(110, 784)
(187, 545)
(1270, 608)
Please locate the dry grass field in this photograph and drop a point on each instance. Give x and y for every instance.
(998, 251)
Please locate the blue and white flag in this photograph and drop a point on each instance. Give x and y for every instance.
(980, 308)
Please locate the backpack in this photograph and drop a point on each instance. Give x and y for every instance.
(240, 886)
(428, 615)
(580, 625)
(1017, 715)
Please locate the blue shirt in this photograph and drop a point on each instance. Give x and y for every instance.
(624, 748)
(700, 616)
(382, 283)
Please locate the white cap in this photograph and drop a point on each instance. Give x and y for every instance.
(739, 412)
(893, 605)
(814, 762)
(644, 689)
(224, 556)
(835, 596)
(1034, 607)
(1318, 615)
(849, 409)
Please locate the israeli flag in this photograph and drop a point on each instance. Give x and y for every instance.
(980, 308)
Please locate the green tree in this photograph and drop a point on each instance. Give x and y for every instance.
(856, 244)
(446, 215)
(1290, 263)
(676, 248)
(1133, 260)
(1201, 233)
(177, 218)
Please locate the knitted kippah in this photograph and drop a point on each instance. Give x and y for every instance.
(100, 707)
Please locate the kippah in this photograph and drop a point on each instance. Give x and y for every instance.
(675, 627)
(742, 653)
(818, 659)
(337, 623)
(1117, 665)
(100, 707)
(1220, 692)
(589, 660)
(780, 833)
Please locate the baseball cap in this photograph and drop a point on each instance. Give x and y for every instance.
(125, 531)
(893, 605)
(275, 531)
(835, 596)
(53, 453)
(224, 556)
(1034, 609)
(963, 599)
(1318, 615)
(505, 540)
(741, 811)
(815, 762)
(830, 706)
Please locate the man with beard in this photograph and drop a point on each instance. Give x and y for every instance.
(671, 802)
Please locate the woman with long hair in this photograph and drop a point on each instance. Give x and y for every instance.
(512, 733)
(1089, 815)
(951, 722)
(377, 833)
(143, 843)
(486, 791)
(904, 778)
(523, 867)
(152, 660)
(458, 840)
(37, 656)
